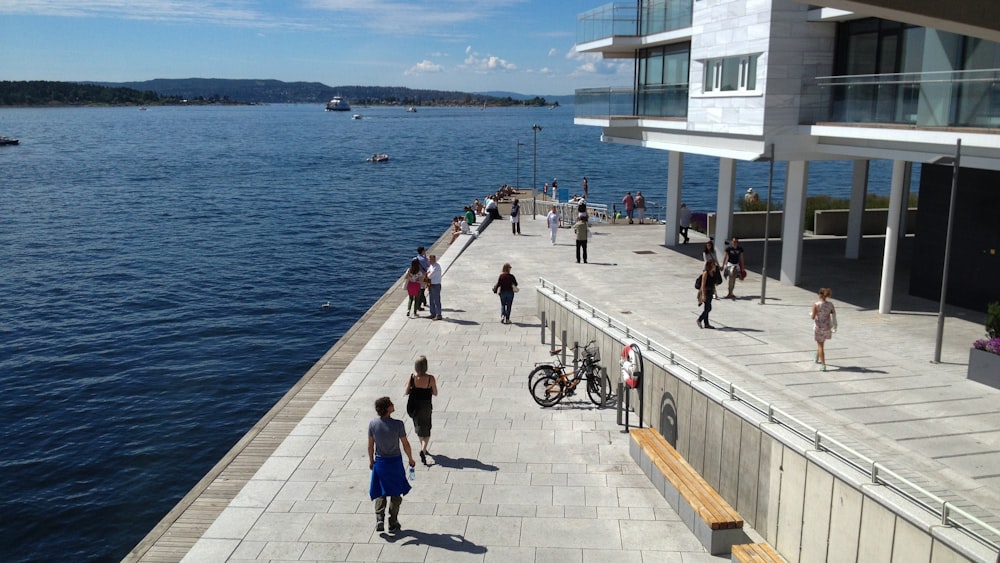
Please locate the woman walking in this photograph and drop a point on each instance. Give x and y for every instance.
(709, 279)
(824, 317)
(388, 484)
(506, 286)
(421, 387)
(414, 283)
(515, 218)
(709, 253)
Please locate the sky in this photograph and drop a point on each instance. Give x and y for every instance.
(522, 46)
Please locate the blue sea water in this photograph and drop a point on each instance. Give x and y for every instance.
(162, 274)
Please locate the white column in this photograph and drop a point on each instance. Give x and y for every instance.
(675, 179)
(856, 215)
(899, 175)
(796, 181)
(724, 204)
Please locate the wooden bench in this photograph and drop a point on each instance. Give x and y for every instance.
(755, 553)
(716, 525)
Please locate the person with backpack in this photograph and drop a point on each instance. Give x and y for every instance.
(705, 284)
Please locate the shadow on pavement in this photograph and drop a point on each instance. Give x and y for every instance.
(451, 542)
(461, 463)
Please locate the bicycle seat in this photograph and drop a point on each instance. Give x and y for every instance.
(555, 352)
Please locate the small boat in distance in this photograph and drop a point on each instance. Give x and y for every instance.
(356, 116)
(411, 109)
(8, 141)
(338, 104)
(378, 157)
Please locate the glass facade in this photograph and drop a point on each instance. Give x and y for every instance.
(662, 81)
(889, 72)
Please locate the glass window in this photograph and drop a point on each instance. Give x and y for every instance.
(731, 74)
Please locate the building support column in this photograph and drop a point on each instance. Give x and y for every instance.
(724, 204)
(899, 175)
(856, 215)
(796, 185)
(675, 179)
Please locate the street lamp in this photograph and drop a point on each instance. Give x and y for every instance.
(767, 224)
(534, 167)
(955, 164)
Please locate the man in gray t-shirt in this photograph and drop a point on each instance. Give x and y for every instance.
(388, 484)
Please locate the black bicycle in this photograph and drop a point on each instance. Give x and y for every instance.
(549, 383)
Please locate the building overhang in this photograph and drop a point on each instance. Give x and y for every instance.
(975, 18)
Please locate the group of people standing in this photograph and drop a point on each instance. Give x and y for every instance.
(387, 435)
(634, 206)
(423, 274)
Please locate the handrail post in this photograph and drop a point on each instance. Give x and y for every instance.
(542, 326)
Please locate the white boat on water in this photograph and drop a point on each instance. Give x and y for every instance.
(411, 109)
(338, 104)
(356, 116)
(378, 157)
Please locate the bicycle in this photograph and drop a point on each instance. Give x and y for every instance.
(549, 383)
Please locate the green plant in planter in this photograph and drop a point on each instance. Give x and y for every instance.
(993, 320)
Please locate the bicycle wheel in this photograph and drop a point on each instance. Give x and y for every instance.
(594, 389)
(547, 390)
(540, 371)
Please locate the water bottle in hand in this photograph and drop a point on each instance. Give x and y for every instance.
(413, 474)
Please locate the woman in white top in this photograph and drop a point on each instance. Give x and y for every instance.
(709, 253)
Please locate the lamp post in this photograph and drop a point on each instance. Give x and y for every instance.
(534, 167)
(955, 163)
(767, 226)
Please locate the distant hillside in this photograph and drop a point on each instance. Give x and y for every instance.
(276, 91)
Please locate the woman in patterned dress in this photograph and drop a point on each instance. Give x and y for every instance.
(824, 317)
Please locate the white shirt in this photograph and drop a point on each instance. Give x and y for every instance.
(552, 219)
(434, 273)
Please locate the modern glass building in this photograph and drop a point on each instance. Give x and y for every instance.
(797, 82)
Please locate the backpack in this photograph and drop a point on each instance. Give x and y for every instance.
(697, 281)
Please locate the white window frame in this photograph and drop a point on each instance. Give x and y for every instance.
(716, 69)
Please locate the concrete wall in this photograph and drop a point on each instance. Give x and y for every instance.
(804, 502)
(834, 221)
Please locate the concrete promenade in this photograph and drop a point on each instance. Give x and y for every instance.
(510, 481)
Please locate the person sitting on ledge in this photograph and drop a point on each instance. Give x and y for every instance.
(491, 208)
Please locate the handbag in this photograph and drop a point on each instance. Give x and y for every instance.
(516, 289)
(411, 403)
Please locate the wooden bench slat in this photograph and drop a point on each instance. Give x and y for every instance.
(756, 553)
(707, 503)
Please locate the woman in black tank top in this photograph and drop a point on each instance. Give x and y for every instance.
(421, 387)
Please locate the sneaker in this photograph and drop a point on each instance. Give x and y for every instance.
(395, 526)
(699, 323)
(709, 326)
(423, 458)
(822, 367)
(380, 526)
(439, 318)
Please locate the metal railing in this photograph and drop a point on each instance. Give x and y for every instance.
(667, 100)
(631, 20)
(968, 98)
(877, 472)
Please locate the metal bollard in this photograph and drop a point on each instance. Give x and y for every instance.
(552, 325)
(542, 326)
(563, 347)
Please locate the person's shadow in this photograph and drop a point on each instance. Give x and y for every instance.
(461, 463)
(451, 542)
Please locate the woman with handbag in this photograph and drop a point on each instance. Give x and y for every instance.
(824, 316)
(506, 287)
(421, 387)
(413, 282)
(706, 291)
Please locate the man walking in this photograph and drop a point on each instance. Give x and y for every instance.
(735, 266)
(582, 230)
(640, 206)
(434, 272)
(629, 203)
(684, 220)
(552, 220)
(388, 484)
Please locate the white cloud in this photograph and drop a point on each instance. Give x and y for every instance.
(553, 52)
(482, 64)
(593, 63)
(423, 67)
